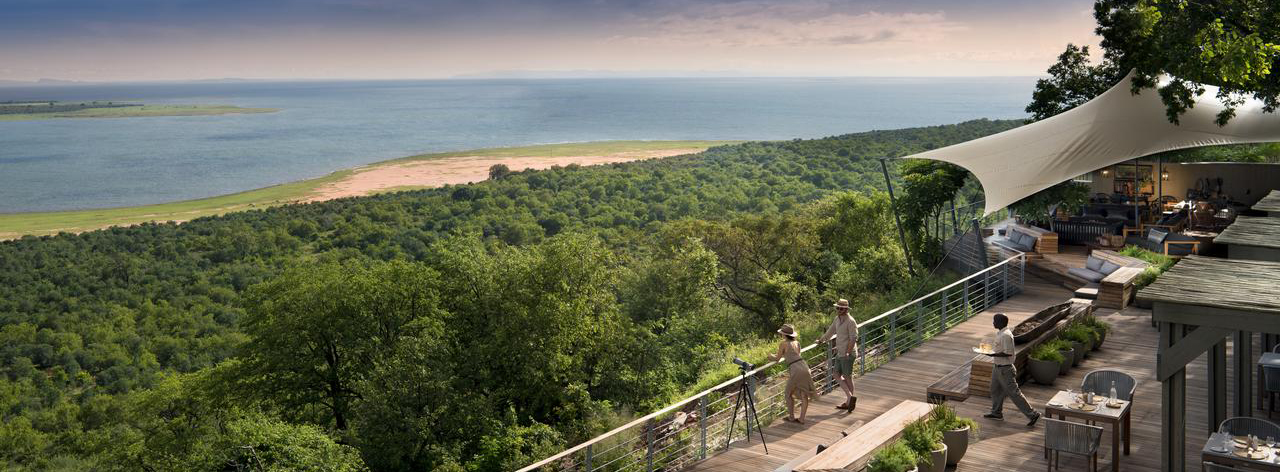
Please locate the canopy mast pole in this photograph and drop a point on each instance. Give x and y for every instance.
(897, 221)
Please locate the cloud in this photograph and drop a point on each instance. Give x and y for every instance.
(756, 24)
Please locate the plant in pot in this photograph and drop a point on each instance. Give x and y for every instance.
(1081, 340)
(1068, 353)
(896, 457)
(1100, 329)
(1044, 363)
(924, 438)
(956, 431)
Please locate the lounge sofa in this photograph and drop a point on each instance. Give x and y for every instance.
(1028, 239)
(1111, 274)
(1161, 240)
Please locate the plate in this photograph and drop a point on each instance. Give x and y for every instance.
(985, 353)
(1083, 407)
(1219, 449)
(1115, 405)
(1254, 455)
(1055, 404)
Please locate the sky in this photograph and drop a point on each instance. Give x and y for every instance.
(140, 40)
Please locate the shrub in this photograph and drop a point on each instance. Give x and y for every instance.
(923, 437)
(1098, 326)
(896, 457)
(944, 418)
(1046, 352)
(1079, 333)
(1058, 344)
(1159, 264)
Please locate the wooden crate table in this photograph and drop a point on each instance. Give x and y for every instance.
(1116, 290)
(852, 452)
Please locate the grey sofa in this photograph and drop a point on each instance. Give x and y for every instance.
(1095, 269)
(1016, 240)
(1160, 240)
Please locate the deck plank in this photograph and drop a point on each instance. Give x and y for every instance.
(1007, 445)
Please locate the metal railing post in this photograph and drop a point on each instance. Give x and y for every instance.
(964, 295)
(1022, 272)
(919, 322)
(588, 458)
(751, 395)
(893, 334)
(702, 426)
(831, 369)
(862, 352)
(943, 313)
(648, 455)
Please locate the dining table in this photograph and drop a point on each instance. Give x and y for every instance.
(1235, 451)
(1066, 404)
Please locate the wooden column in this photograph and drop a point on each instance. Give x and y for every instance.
(1242, 347)
(1173, 406)
(1217, 385)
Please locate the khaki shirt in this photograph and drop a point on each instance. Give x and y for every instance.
(845, 329)
(1004, 343)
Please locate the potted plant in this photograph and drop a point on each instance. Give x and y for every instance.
(1044, 363)
(1100, 329)
(1068, 353)
(896, 457)
(1081, 340)
(956, 431)
(924, 438)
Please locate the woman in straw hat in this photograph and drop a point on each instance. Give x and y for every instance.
(799, 380)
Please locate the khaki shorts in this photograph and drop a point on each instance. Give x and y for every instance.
(844, 365)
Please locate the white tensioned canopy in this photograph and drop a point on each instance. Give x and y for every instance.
(1112, 128)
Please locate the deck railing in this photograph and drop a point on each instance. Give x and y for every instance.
(689, 430)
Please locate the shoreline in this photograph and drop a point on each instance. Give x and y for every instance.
(142, 110)
(400, 174)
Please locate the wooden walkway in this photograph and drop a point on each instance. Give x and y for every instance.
(1007, 445)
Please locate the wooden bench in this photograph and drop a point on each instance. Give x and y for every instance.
(852, 452)
(1046, 241)
(954, 386)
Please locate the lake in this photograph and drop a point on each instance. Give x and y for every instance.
(325, 126)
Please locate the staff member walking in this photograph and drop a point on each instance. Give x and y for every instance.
(1004, 378)
(845, 329)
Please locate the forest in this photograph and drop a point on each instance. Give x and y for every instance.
(465, 328)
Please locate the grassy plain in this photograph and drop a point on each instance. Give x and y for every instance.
(135, 111)
(15, 225)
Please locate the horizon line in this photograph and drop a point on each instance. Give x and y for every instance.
(45, 81)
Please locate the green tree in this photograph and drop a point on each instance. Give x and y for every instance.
(1072, 81)
(317, 328)
(1233, 44)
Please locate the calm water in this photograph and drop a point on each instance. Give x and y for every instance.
(327, 126)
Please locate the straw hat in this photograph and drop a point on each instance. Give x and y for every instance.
(842, 304)
(788, 331)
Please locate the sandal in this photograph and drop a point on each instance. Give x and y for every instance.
(843, 406)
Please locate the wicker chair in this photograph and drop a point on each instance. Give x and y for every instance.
(1099, 381)
(1072, 438)
(1245, 426)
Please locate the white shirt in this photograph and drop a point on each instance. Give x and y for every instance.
(1003, 343)
(845, 329)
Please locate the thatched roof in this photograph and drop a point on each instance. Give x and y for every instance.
(1233, 284)
(1252, 231)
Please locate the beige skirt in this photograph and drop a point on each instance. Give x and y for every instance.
(800, 381)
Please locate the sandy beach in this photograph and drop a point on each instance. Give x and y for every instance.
(460, 170)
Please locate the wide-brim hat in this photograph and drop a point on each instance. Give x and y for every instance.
(787, 330)
(842, 304)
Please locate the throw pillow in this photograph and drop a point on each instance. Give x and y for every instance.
(1094, 264)
(1157, 235)
(1108, 267)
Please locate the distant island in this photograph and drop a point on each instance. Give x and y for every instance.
(46, 110)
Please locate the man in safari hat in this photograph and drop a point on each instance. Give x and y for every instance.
(845, 330)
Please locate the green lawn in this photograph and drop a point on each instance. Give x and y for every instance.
(14, 225)
(144, 110)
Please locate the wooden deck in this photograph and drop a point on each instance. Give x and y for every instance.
(1007, 445)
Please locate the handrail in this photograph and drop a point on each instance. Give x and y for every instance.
(752, 373)
(949, 286)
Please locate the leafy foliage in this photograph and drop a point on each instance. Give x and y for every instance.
(896, 457)
(1233, 44)
(1046, 352)
(464, 327)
